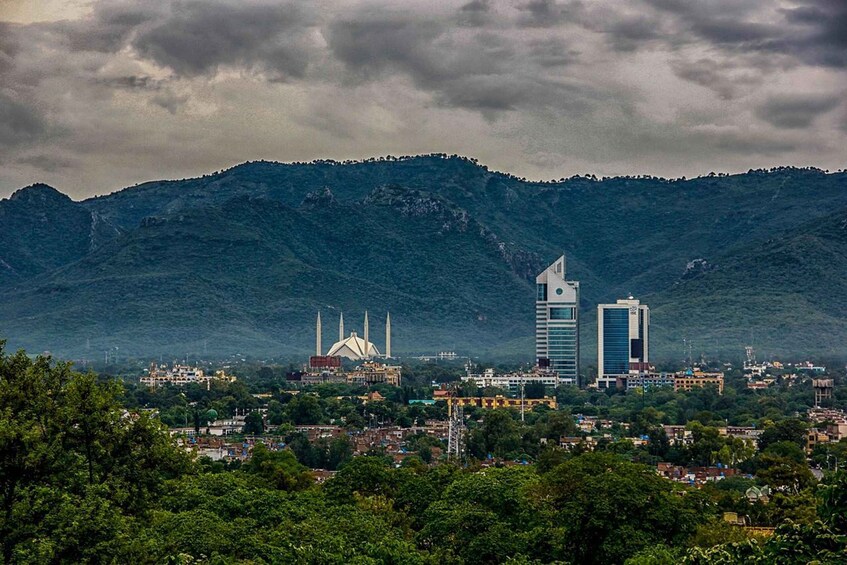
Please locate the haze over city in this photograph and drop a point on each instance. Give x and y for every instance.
(98, 95)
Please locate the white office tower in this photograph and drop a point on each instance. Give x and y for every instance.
(623, 340)
(557, 322)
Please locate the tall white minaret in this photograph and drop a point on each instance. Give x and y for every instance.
(367, 343)
(318, 347)
(341, 327)
(388, 335)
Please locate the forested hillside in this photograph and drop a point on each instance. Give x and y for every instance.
(85, 478)
(241, 260)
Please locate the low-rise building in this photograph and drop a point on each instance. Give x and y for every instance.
(512, 381)
(499, 401)
(371, 372)
(160, 375)
(695, 378)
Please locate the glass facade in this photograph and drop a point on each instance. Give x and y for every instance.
(540, 292)
(559, 313)
(616, 341)
(562, 350)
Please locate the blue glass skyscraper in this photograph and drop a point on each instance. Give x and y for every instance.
(623, 331)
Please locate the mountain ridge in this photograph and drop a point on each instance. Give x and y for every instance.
(448, 231)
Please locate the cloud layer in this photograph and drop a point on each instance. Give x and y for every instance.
(114, 92)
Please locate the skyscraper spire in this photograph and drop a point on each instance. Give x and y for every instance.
(318, 347)
(341, 327)
(388, 335)
(367, 343)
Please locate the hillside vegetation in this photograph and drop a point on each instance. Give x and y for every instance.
(241, 260)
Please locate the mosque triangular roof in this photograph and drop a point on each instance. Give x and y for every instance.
(353, 347)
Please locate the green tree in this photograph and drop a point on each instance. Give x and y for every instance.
(608, 509)
(254, 424)
(305, 409)
(280, 468)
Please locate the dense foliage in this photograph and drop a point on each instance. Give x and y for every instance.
(84, 480)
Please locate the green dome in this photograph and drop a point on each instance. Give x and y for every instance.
(212, 414)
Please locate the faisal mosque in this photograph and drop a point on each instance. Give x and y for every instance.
(353, 347)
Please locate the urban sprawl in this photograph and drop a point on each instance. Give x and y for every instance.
(353, 399)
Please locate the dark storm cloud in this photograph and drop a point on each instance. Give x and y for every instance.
(109, 26)
(812, 31)
(476, 70)
(547, 87)
(19, 123)
(793, 112)
(197, 37)
(725, 78)
(825, 39)
(475, 13)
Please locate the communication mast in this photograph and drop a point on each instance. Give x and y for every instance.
(456, 432)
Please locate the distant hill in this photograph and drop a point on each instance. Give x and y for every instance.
(787, 292)
(241, 260)
(41, 229)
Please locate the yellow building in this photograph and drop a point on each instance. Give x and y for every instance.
(371, 372)
(689, 379)
(499, 401)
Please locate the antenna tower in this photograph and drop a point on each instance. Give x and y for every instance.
(456, 433)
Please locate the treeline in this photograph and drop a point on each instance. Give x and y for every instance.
(82, 479)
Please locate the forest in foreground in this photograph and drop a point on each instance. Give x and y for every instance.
(83, 479)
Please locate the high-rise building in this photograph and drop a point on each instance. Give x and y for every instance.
(557, 322)
(623, 338)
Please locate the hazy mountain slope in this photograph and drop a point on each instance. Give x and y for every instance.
(253, 273)
(621, 234)
(41, 229)
(244, 257)
(789, 293)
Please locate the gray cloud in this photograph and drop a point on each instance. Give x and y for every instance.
(796, 111)
(812, 31)
(475, 13)
(722, 77)
(46, 163)
(476, 70)
(197, 37)
(824, 40)
(124, 91)
(19, 123)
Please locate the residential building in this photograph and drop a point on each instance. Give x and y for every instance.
(499, 401)
(691, 378)
(648, 380)
(557, 322)
(511, 381)
(370, 373)
(623, 331)
(159, 375)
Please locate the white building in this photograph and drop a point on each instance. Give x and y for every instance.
(354, 347)
(623, 338)
(557, 322)
(160, 375)
(511, 381)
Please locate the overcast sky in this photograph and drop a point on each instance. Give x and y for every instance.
(96, 95)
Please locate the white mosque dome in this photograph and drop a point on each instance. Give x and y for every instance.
(354, 348)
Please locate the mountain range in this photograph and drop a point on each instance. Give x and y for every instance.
(240, 261)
